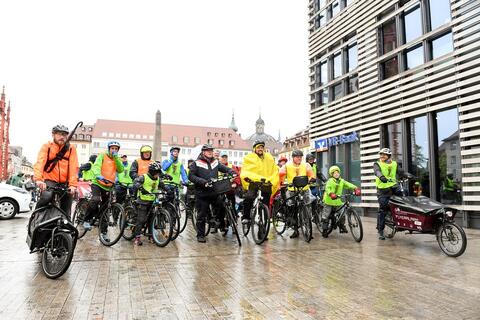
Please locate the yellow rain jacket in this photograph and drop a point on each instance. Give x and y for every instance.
(257, 168)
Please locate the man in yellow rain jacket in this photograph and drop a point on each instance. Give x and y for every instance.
(258, 165)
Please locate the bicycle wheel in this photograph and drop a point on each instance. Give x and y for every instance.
(79, 215)
(182, 211)
(110, 226)
(355, 224)
(57, 255)
(129, 222)
(279, 217)
(162, 227)
(305, 223)
(260, 223)
(452, 239)
(233, 223)
(317, 215)
(175, 219)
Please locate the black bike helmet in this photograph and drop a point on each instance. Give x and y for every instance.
(92, 158)
(310, 157)
(174, 148)
(258, 143)
(60, 128)
(297, 153)
(154, 168)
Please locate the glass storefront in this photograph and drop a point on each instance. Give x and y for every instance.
(420, 158)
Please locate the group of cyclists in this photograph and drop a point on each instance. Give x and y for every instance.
(57, 165)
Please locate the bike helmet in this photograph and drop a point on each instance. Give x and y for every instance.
(386, 151)
(145, 149)
(258, 143)
(310, 157)
(113, 143)
(332, 169)
(154, 168)
(60, 128)
(174, 148)
(206, 147)
(297, 153)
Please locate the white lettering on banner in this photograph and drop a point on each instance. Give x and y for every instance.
(324, 143)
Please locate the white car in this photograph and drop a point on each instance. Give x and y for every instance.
(13, 200)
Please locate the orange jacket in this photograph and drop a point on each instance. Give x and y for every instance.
(64, 170)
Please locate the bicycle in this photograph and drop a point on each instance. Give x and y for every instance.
(222, 186)
(161, 222)
(353, 219)
(129, 218)
(294, 211)
(179, 214)
(109, 221)
(259, 214)
(51, 232)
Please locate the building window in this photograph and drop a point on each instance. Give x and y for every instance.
(118, 135)
(197, 140)
(89, 129)
(420, 156)
(335, 8)
(413, 24)
(83, 129)
(229, 135)
(389, 36)
(229, 153)
(84, 146)
(221, 142)
(209, 134)
(80, 136)
(453, 160)
(352, 60)
(324, 72)
(235, 154)
(223, 135)
(337, 65)
(320, 20)
(440, 13)
(442, 45)
(96, 144)
(232, 142)
(131, 136)
(104, 134)
(394, 141)
(186, 139)
(216, 134)
(150, 137)
(174, 139)
(414, 57)
(353, 84)
(89, 137)
(124, 135)
(189, 151)
(337, 91)
(137, 136)
(453, 145)
(390, 68)
(210, 141)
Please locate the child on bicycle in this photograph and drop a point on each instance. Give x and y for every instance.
(145, 186)
(332, 198)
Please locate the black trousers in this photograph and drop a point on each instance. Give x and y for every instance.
(99, 196)
(202, 205)
(383, 197)
(47, 196)
(143, 210)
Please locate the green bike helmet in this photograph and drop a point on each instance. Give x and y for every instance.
(332, 169)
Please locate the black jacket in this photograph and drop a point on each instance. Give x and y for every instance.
(202, 171)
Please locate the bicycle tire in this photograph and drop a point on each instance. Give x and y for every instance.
(444, 234)
(111, 217)
(305, 223)
(318, 215)
(182, 208)
(233, 223)
(260, 223)
(357, 224)
(59, 238)
(175, 219)
(79, 215)
(162, 220)
(279, 217)
(129, 224)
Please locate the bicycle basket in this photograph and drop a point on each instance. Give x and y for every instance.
(300, 181)
(222, 186)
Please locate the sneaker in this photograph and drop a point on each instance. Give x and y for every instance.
(105, 237)
(343, 229)
(380, 235)
(87, 226)
(137, 242)
(294, 235)
(201, 239)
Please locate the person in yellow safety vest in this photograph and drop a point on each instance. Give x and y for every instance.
(258, 165)
(85, 172)
(386, 171)
(140, 166)
(124, 181)
(144, 186)
(296, 168)
(105, 168)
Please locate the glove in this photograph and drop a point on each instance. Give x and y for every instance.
(247, 179)
(333, 196)
(383, 179)
(143, 191)
(101, 178)
(168, 177)
(42, 185)
(358, 192)
(115, 153)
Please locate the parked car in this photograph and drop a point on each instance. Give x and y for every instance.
(13, 200)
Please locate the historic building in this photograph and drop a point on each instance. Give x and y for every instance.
(272, 145)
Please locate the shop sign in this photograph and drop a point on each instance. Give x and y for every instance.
(325, 143)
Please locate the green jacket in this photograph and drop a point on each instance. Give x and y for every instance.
(97, 169)
(336, 186)
(87, 175)
(149, 185)
(124, 177)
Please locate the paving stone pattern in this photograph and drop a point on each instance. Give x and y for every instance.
(335, 278)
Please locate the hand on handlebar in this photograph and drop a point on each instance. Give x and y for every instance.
(358, 192)
(333, 196)
(383, 179)
(72, 190)
(247, 179)
(42, 185)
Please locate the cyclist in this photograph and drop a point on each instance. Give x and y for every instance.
(140, 166)
(294, 169)
(386, 171)
(85, 172)
(282, 161)
(106, 167)
(205, 168)
(236, 182)
(48, 171)
(332, 198)
(144, 186)
(175, 169)
(258, 165)
(124, 181)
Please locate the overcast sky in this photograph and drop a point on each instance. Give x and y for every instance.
(195, 60)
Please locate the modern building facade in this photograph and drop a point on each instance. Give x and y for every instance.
(404, 75)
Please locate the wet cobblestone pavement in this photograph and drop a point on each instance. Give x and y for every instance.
(335, 278)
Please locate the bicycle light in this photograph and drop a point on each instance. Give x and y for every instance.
(449, 213)
(65, 221)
